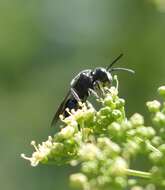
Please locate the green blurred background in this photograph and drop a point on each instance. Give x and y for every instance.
(43, 44)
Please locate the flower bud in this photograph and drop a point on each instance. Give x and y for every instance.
(116, 114)
(150, 187)
(137, 120)
(162, 148)
(126, 125)
(105, 111)
(108, 101)
(89, 152)
(147, 132)
(132, 182)
(114, 127)
(78, 180)
(155, 156)
(159, 119)
(161, 91)
(156, 141)
(121, 182)
(106, 144)
(137, 188)
(131, 148)
(119, 167)
(153, 106)
(120, 103)
(90, 167)
(131, 133)
(102, 180)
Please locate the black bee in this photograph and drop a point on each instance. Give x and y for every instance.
(84, 84)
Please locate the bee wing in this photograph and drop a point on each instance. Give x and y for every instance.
(60, 109)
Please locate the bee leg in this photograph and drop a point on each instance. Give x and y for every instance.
(91, 91)
(75, 95)
(89, 105)
(99, 88)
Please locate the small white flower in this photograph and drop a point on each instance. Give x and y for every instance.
(41, 152)
(67, 132)
(76, 115)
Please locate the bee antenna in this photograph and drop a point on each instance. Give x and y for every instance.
(114, 61)
(123, 69)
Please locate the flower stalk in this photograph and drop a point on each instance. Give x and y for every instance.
(136, 173)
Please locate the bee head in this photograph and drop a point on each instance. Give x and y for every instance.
(102, 75)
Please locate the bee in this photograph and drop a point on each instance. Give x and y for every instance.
(84, 84)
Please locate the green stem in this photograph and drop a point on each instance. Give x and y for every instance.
(152, 148)
(138, 173)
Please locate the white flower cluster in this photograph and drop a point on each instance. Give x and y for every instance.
(86, 110)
